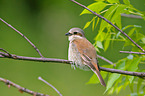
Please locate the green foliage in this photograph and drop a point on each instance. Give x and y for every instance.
(100, 6)
(112, 10)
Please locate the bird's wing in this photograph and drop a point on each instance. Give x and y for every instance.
(88, 55)
(86, 49)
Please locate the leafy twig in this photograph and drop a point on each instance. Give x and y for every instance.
(21, 89)
(22, 36)
(5, 55)
(109, 23)
(40, 78)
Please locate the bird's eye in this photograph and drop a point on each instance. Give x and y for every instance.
(75, 32)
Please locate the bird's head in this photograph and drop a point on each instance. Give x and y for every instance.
(75, 33)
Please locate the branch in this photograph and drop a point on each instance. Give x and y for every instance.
(50, 85)
(5, 55)
(103, 58)
(5, 51)
(140, 53)
(131, 16)
(16, 57)
(22, 36)
(110, 24)
(21, 89)
(138, 74)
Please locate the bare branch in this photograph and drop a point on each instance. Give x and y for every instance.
(131, 16)
(140, 53)
(21, 89)
(5, 51)
(5, 55)
(110, 24)
(50, 85)
(22, 36)
(103, 58)
(139, 74)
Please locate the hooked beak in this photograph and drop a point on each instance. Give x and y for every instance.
(68, 34)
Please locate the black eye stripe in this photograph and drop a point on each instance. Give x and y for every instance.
(75, 32)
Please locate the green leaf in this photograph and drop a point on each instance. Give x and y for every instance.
(130, 56)
(96, 7)
(143, 40)
(137, 26)
(143, 17)
(130, 79)
(118, 34)
(97, 22)
(118, 21)
(121, 64)
(108, 15)
(134, 37)
(131, 31)
(113, 1)
(87, 24)
(127, 43)
(131, 87)
(100, 36)
(120, 86)
(126, 27)
(139, 36)
(127, 2)
(139, 83)
(112, 79)
(119, 89)
(97, 49)
(99, 0)
(108, 66)
(134, 65)
(99, 44)
(107, 42)
(94, 79)
(117, 15)
(125, 84)
(93, 24)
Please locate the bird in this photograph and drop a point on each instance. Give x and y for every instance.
(82, 53)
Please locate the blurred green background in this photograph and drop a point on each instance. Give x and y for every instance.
(45, 22)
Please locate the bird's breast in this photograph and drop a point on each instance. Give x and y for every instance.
(75, 56)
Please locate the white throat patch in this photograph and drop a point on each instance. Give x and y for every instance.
(71, 38)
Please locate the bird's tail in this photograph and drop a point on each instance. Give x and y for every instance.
(96, 71)
(100, 77)
(94, 67)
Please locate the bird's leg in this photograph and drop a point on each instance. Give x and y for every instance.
(73, 65)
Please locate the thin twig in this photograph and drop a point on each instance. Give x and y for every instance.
(110, 24)
(140, 53)
(21, 89)
(40, 78)
(5, 51)
(103, 58)
(22, 36)
(131, 16)
(4, 55)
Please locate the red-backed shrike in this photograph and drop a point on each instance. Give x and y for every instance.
(82, 53)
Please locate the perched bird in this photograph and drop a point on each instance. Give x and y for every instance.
(82, 53)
